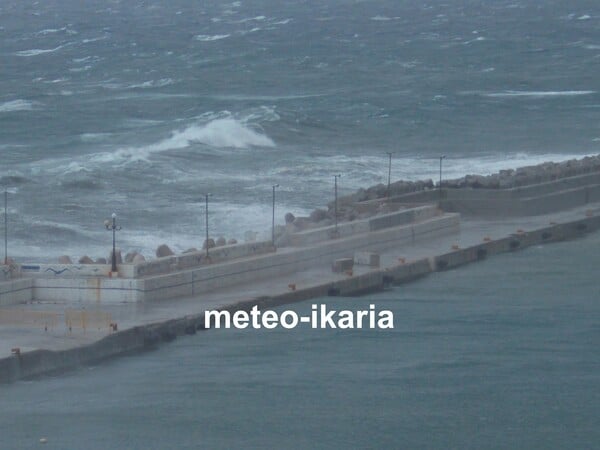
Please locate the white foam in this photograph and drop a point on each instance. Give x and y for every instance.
(39, 51)
(221, 133)
(477, 39)
(55, 30)
(218, 133)
(209, 38)
(584, 17)
(153, 84)
(96, 39)
(17, 105)
(50, 31)
(384, 18)
(80, 69)
(538, 94)
(251, 19)
(93, 137)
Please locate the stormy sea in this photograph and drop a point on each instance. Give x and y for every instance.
(142, 107)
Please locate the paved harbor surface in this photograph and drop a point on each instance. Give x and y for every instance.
(42, 325)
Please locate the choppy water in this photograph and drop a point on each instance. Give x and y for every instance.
(140, 107)
(501, 354)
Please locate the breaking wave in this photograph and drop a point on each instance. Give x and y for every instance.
(39, 51)
(220, 133)
(17, 105)
(538, 94)
(153, 84)
(208, 38)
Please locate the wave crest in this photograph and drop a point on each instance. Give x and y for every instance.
(221, 133)
(17, 105)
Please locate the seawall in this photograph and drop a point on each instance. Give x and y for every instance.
(140, 338)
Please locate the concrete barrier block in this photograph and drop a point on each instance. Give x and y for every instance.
(342, 265)
(367, 259)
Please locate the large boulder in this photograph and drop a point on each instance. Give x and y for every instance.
(101, 261)
(318, 215)
(210, 243)
(302, 223)
(86, 260)
(138, 259)
(232, 241)
(220, 241)
(289, 218)
(130, 256)
(64, 259)
(164, 250)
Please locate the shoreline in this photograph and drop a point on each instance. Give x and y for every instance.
(139, 338)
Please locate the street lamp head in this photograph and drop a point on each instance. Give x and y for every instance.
(275, 186)
(443, 157)
(114, 215)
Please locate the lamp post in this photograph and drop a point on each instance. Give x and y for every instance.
(335, 178)
(112, 225)
(206, 219)
(5, 227)
(389, 173)
(440, 185)
(273, 217)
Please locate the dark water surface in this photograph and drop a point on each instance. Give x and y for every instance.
(502, 354)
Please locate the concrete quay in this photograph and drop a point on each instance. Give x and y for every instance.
(46, 344)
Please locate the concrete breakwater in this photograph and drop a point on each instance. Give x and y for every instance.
(527, 181)
(139, 338)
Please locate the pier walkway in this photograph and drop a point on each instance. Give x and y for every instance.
(43, 325)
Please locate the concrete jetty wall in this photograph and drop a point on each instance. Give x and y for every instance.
(91, 290)
(289, 261)
(347, 229)
(178, 276)
(194, 259)
(36, 363)
(16, 291)
(537, 199)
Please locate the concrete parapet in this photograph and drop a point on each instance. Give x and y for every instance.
(87, 290)
(542, 198)
(315, 235)
(342, 265)
(417, 214)
(225, 253)
(158, 266)
(347, 229)
(9, 272)
(278, 265)
(194, 259)
(19, 290)
(367, 259)
(65, 270)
